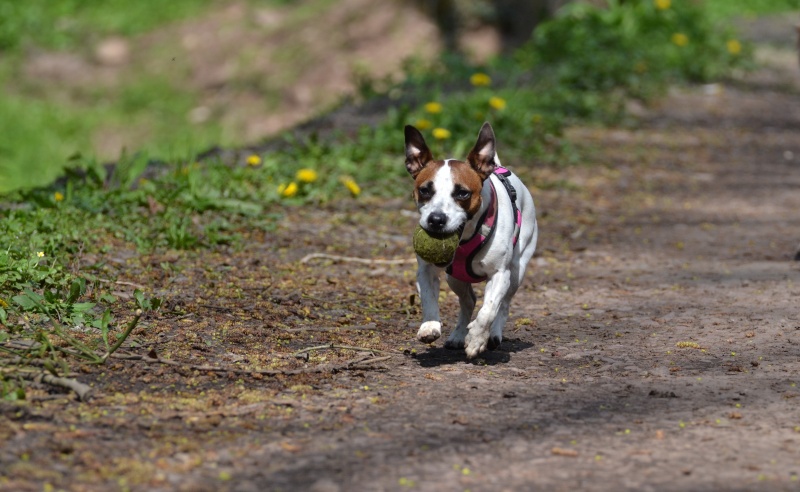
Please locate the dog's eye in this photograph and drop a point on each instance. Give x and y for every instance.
(462, 195)
(425, 192)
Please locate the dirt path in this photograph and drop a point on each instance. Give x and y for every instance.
(654, 345)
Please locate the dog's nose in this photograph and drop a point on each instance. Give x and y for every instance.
(437, 221)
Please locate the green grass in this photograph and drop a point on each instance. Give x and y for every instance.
(727, 9)
(67, 24)
(42, 135)
(46, 122)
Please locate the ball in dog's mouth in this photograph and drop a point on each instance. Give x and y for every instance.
(438, 249)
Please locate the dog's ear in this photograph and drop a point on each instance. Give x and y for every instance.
(417, 153)
(482, 155)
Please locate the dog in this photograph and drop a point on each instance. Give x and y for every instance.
(495, 214)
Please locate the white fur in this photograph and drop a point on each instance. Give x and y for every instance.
(500, 260)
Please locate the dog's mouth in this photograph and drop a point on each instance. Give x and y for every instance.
(443, 233)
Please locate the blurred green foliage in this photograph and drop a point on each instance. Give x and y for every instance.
(638, 46)
(65, 24)
(727, 9)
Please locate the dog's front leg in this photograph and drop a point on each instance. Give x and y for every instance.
(428, 287)
(466, 302)
(478, 336)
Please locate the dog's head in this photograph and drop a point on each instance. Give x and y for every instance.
(448, 192)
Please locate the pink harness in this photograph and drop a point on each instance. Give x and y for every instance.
(461, 267)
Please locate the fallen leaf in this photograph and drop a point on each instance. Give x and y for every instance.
(571, 453)
(292, 448)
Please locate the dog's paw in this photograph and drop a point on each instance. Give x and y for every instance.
(451, 344)
(494, 342)
(429, 331)
(476, 342)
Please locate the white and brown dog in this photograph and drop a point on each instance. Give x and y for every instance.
(495, 213)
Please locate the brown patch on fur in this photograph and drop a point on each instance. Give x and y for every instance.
(424, 175)
(466, 176)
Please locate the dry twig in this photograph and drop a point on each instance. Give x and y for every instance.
(353, 259)
(81, 390)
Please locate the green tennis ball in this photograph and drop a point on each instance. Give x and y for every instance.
(438, 249)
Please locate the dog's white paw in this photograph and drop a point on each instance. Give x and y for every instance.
(429, 331)
(477, 341)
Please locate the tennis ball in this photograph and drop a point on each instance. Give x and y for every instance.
(438, 249)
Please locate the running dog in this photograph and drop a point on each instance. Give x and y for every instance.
(495, 214)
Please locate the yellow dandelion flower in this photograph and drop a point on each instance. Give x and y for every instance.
(306, 175)
(3, 303)
(441, 133)
(734, 47)
(58, 196)
(680, 39)
(480, 79)
(497, 103)
(40, 254)
(423, 124)
(351, 186)
(663, 4)
(288, 190)
(253, 160)
(433, 107)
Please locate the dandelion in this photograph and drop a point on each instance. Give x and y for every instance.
(441, 133)
(734, 47)
(306, 175)
(3, 304)
(480, 79)
(58, 196)
(423, 124)
(433, 107)
(40, 254)
(497, 103)
(680, 39)
(663, 4)
(351, 186)
(289, 190)
(253, 160)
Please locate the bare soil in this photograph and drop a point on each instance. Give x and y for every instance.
(655, 344)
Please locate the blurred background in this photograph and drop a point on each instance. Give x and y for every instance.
(100, 80)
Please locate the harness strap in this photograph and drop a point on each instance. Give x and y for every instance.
(503, 174)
